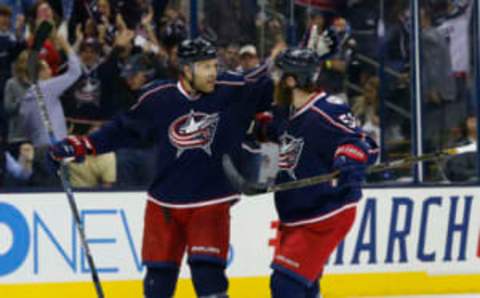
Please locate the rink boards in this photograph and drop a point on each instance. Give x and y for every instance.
(404, 241)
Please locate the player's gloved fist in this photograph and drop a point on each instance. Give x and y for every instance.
(351, 160)
(72, 148)
(260, 126)
(324, 44)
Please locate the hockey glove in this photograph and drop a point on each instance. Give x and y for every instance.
(324, 44)
(72, 148)
(268, 126)
(351, 160)
(260, 126)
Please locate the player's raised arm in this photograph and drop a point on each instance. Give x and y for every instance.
(130, 129)
(259, 79)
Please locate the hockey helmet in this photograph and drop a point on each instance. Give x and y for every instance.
(194, 50)
(301, 63)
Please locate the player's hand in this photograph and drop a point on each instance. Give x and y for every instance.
(260, 126)
(72, 148)
(324, 44)
(351, 160)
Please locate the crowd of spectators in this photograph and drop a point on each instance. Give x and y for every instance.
(103, 53)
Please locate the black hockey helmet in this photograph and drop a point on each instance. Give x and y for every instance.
(194, 50)
(304, 64)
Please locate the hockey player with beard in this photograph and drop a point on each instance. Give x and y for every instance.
(193, 121)
(317, 135)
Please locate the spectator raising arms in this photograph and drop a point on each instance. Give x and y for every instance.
(42, 11)
(14, 93)
(52, 88)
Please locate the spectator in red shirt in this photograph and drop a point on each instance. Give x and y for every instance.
(42, 11)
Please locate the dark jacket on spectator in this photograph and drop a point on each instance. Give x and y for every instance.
(91, 100)
(232, 20)
(10, 48)
(15, 91)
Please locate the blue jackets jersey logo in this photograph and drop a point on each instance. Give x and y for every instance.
(88, 92)
(290, 152)
(195, 130)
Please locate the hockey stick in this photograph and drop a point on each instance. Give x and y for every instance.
(252, 188)
(40, 36)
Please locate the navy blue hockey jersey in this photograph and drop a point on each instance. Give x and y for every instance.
(308, 142)
(191, 133)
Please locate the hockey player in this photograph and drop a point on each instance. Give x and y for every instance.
(193, 121)
(317, 135)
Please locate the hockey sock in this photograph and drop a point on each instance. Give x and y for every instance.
(283, 286)
(209, 280)
(160, 282)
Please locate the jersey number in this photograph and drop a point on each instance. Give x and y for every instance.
(349, 120)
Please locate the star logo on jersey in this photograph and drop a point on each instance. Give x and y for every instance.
(290, 152)
(195, 130)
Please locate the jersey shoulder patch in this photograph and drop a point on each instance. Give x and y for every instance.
(335, 100)
(332, 104)
(335, 110)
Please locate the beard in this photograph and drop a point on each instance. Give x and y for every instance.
(283, 94)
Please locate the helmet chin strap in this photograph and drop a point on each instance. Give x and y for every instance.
(191, 82)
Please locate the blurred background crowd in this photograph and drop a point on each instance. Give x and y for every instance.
(119, 47)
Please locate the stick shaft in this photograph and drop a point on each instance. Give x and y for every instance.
(373, 169)
(69, 192)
